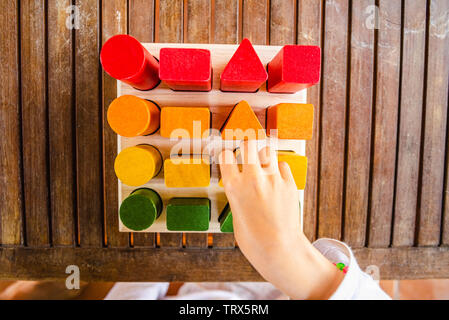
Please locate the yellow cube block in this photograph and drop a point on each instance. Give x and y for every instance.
(298, 166)
(187, 172)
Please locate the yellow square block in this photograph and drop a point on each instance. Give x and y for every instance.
(298, 166)
(187, 172)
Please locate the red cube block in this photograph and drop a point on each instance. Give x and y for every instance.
(125, 59)
(294, 68)
(186, 69)
(244, 72)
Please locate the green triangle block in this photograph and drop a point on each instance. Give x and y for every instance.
(188, 214)
(225, 220)
(140, 209)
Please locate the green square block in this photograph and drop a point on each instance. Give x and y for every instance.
(188, 214)
(225, 220)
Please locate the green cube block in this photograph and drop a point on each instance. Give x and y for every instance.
(225, 220)
(188, 214)
(140, 209)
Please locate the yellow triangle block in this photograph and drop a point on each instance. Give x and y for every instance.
(242, 124)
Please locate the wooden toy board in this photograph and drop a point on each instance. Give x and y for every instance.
(220, 104)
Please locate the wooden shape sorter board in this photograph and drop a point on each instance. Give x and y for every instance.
(220, 104)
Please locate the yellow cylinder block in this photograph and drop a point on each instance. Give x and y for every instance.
(135, 166)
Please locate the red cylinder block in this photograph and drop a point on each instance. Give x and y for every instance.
(294, 68)
(244, 72)
(125, 59)
(186, 69)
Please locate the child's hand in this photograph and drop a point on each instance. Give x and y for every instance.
(266, 217)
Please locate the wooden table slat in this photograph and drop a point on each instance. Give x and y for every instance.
(385, 123)
(141, 20)
(310, 25)
(197, 21)
(148, 264)
(141, 26)
(411, 107)
(435, 133)
(255, 17)
(170, 18)
(359, 122)
(35, 123)
(11, 206)
(114, 19)
(282, 22)
(89, 126)
(226, 21)
(61, 125)
(333, 116)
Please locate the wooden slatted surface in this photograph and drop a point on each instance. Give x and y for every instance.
(377, 177)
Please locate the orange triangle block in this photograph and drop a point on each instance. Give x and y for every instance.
(242, 124)
(244, 72)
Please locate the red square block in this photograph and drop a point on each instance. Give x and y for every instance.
(186, 69)
(294, 68)
(244, 72)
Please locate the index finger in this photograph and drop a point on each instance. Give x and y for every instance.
(228, 165)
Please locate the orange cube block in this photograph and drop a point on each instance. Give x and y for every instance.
(242, 124)
(188, 123)
(292, 121)
(298, 166)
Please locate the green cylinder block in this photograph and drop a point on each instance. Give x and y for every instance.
(140, 209)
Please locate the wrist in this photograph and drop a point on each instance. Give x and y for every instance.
(325, 277)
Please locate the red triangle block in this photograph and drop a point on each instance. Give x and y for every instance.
(242, 124)
(244, 72)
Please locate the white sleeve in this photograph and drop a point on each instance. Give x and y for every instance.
(356, 285)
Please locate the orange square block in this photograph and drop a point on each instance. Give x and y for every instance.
(187, 123)
(292, 121)
(187, 172)
(242, 124)
(298, 166)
